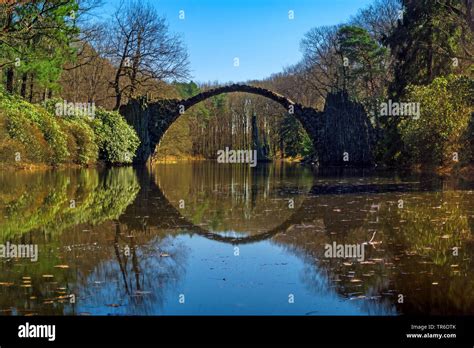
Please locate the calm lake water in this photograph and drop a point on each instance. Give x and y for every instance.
(206, 238)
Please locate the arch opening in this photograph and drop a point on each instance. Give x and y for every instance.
(235, 117)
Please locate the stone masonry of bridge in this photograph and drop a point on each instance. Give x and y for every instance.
(342, 134)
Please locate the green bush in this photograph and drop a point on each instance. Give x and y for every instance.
(116, 139)
(23, 136)
(24, 120)
(81, 142)
(42, 137)
(468, 142)
(445, 111)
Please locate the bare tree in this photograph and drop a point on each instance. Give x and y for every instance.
(322, 66)
(143, 50)
(379, 18)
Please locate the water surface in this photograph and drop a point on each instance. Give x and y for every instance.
(208, 238)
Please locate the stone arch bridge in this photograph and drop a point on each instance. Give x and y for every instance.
(342, 134)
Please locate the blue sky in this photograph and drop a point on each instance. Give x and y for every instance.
(257, 32)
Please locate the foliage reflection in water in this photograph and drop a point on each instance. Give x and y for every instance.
(207, 238)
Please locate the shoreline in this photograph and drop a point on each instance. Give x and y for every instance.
(465, 172)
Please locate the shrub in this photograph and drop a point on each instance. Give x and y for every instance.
(81, 142)
(24, 121)
(42, 137)
(445, 110)
(23, 136)
(116, 139)
(468, 142)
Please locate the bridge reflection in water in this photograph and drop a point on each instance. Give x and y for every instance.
(143, 254)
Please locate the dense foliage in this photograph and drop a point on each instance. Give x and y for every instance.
(34, 134)
(445, 111)
(117, 140)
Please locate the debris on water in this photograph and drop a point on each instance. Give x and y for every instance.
(377, 260)
(61, 266)
(351, 294)
(357, 297)
(113, 305)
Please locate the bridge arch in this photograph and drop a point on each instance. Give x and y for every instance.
(342, 134)
(287, 103)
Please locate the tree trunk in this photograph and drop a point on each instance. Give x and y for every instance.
(24, 77)
(10, 77)
(31, 88)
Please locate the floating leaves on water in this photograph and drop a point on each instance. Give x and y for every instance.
(367, 262)
(61, 266)
(377, 260)
(63, 297)
(357, 297)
